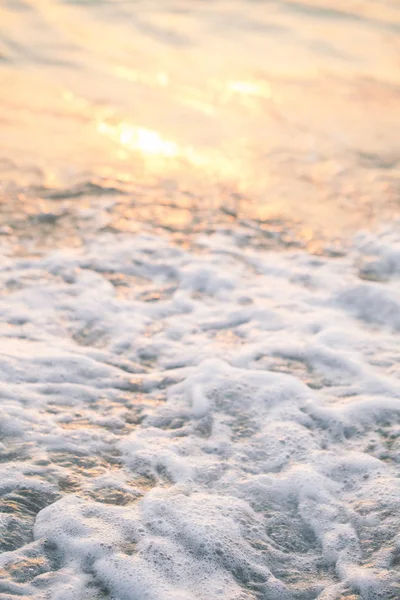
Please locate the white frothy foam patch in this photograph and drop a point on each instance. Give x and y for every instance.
(219, 423)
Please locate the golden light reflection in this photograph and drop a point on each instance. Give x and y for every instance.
(154, 147)
(143, 140)
(240, 90)
(250, 88)
(160, 79)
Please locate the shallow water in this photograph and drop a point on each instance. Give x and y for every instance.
(283, 110)
(199, 387)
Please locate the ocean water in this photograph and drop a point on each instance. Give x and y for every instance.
(200, 300)
(182, 112)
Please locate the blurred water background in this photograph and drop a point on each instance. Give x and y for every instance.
(186, 114)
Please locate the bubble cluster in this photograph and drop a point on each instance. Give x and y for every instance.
(197, 445)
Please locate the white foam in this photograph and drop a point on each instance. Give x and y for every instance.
(211, 432)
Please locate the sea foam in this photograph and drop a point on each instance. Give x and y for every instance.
(195, 424)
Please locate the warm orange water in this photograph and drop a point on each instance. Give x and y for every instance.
(282, 109)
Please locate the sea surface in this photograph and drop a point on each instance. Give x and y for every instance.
(200, 300)
(177, 112)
